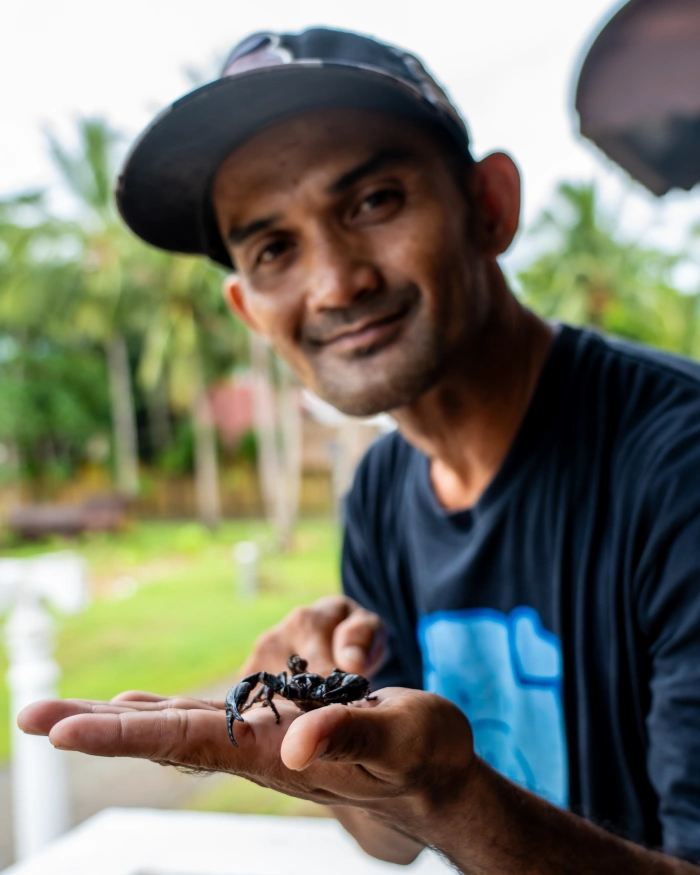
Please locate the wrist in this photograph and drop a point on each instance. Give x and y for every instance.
(444, 809)
(438, 804)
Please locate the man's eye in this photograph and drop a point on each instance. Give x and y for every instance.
(379, 199)
(272, 251)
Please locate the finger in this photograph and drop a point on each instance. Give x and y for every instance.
(315, 635)
(193, 738)
(183, 737)
(359, 642)
(306, 630)
(39, 717)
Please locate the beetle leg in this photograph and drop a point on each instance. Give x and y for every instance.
(269, 693)
(255, 699)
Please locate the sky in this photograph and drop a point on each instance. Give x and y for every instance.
(510, 66)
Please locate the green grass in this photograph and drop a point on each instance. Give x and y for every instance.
(183, 628)
(228, 794)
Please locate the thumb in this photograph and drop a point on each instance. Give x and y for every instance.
(341, 734)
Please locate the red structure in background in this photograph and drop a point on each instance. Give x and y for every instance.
(232, 407)
(638, 93)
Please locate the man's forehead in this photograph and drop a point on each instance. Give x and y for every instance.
(319, 140)
(316, 149)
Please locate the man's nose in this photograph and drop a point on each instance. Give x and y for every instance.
(340, 272)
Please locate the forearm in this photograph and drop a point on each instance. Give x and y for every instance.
(497, 827)
(374, 838)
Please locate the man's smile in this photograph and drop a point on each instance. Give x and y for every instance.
(363, 327)
(368, 333)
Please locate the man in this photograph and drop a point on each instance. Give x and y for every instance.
(528, 544)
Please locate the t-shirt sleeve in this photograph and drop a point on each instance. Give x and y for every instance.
(669, 617)
(371, 575)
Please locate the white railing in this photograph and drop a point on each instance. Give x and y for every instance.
(29, 588)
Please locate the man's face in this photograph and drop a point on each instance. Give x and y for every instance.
(350, 237)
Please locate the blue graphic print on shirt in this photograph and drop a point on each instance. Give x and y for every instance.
(505, 673)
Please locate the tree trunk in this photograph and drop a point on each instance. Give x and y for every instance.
(278, 426)
(205, 455)
(265, 426)
(123, 417)
(159, 425)
(290, 434)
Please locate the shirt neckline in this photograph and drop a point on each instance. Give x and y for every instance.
(528, 441)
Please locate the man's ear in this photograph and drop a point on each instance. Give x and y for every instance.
(497, 195)
(235, 299)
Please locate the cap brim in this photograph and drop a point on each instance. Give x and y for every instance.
(163, 187)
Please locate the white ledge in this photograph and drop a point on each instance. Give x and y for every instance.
(143, 841)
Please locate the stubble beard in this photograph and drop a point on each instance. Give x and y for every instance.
(385, 380)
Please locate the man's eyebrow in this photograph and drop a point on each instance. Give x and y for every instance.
(377, 162)
(237, 234)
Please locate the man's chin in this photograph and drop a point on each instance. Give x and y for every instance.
(385, 378)
(371, 397)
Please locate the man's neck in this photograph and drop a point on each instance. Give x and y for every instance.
(467, 423)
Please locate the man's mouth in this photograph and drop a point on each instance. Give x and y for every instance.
(367, 334)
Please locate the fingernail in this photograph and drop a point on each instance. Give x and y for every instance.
(321, 748)
(353, 655)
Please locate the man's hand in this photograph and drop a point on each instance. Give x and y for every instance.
(396, 756)
(333, 632)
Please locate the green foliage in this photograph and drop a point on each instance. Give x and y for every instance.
(247, 449)
(588, 275)
(178, 456)
(52, 403)
(71, 287)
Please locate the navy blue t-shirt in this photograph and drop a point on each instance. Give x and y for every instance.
(562, 611)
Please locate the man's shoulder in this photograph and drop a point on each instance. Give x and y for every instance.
(645, 405)
(639, 390)
(637, 361)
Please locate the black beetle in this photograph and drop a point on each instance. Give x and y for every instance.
(306, 690)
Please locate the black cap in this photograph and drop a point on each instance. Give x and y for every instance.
(163, 192)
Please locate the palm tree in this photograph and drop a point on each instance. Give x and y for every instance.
(101, 307)
(190, 341)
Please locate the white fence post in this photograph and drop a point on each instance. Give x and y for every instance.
(39, 782)
(246, 555)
